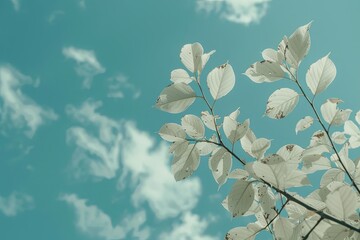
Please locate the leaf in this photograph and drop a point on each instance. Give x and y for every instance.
(298, 45)
(351, 129)
(291, 153)
(220, 165)
(357, 117)
(336, 232)
(272, 55)
(243, 233)
(234, 130)
(179, 147)
(332, 175)
(239, 174)
(304, 124)
(320, 75)
(265, 71)
(338, 137)
(172, 132)
(259, 147)
(247, 141)
(296, 178)
(184, 165)
(193, 126)
(180, 76)
(281, 103)
(241, 197)
(221, 81)
(235, 114)
(332, 115)
(209, 120)
(342, 202)
(320, 138)
(283, 228)
(206, 148)
(267, 202)
(316, 162)
(193, 57)
(346, 161)
(176, 98)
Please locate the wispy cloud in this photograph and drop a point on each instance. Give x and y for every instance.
(18, 109)
(238, 11)
(15, 203)
(82, 3)
(148, 165)
(98, 145)
(54, 15)
(16, 4)
(94, 222)
(87, 65)
(119, 87)
(191, 227)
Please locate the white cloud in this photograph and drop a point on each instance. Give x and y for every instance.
(15, 203)
(120, 84)
(16, 4)
(87, 65)
(238, 11)
(93, 221)
(149, 168)
(55, 15)
(82, 3)
(17, 108)
(190, 228)
(96, 153)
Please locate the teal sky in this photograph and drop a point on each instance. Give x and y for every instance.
(80, 157)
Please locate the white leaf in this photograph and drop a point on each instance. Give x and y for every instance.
(320, 138)
(235, 130)
(332, 115)
(346, 161)
(342, 202)
(235, 114)
(265, 71)
(172, 132)
(316, 162)
(247, 141)
(272, 55)
(303, 124)
(259, 147)
(243, 233)
(283, 228)
(184, 165)
(193, 57)
(193, 126)
(298, 45)
(281, 103)
(332, 175)
(267, 201)
(176, 98)
(336, 232)
(205, 148)
(338, 137)
(318, 149)
(180, 76)
(320, 75)
(220, 165)
(209, 120)
(357, 117)
(291, 153)
(241, 197)
(351, 129)
(239, 174)
(296, 178)
(179, 147)
(221, 81)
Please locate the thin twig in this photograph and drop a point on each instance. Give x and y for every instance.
(312, 229)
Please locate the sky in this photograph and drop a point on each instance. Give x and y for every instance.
(80, 154)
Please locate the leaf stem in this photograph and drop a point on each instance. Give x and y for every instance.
(312, 229)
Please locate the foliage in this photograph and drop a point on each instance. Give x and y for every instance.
(262, 181)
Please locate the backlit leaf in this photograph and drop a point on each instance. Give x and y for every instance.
(180, 76)
(172, 132)
(221, 81)
(184, 165)
(193, 126)
(176, 98)
(320, 75)
(303, 124)
(241, 197)
(281, 103)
